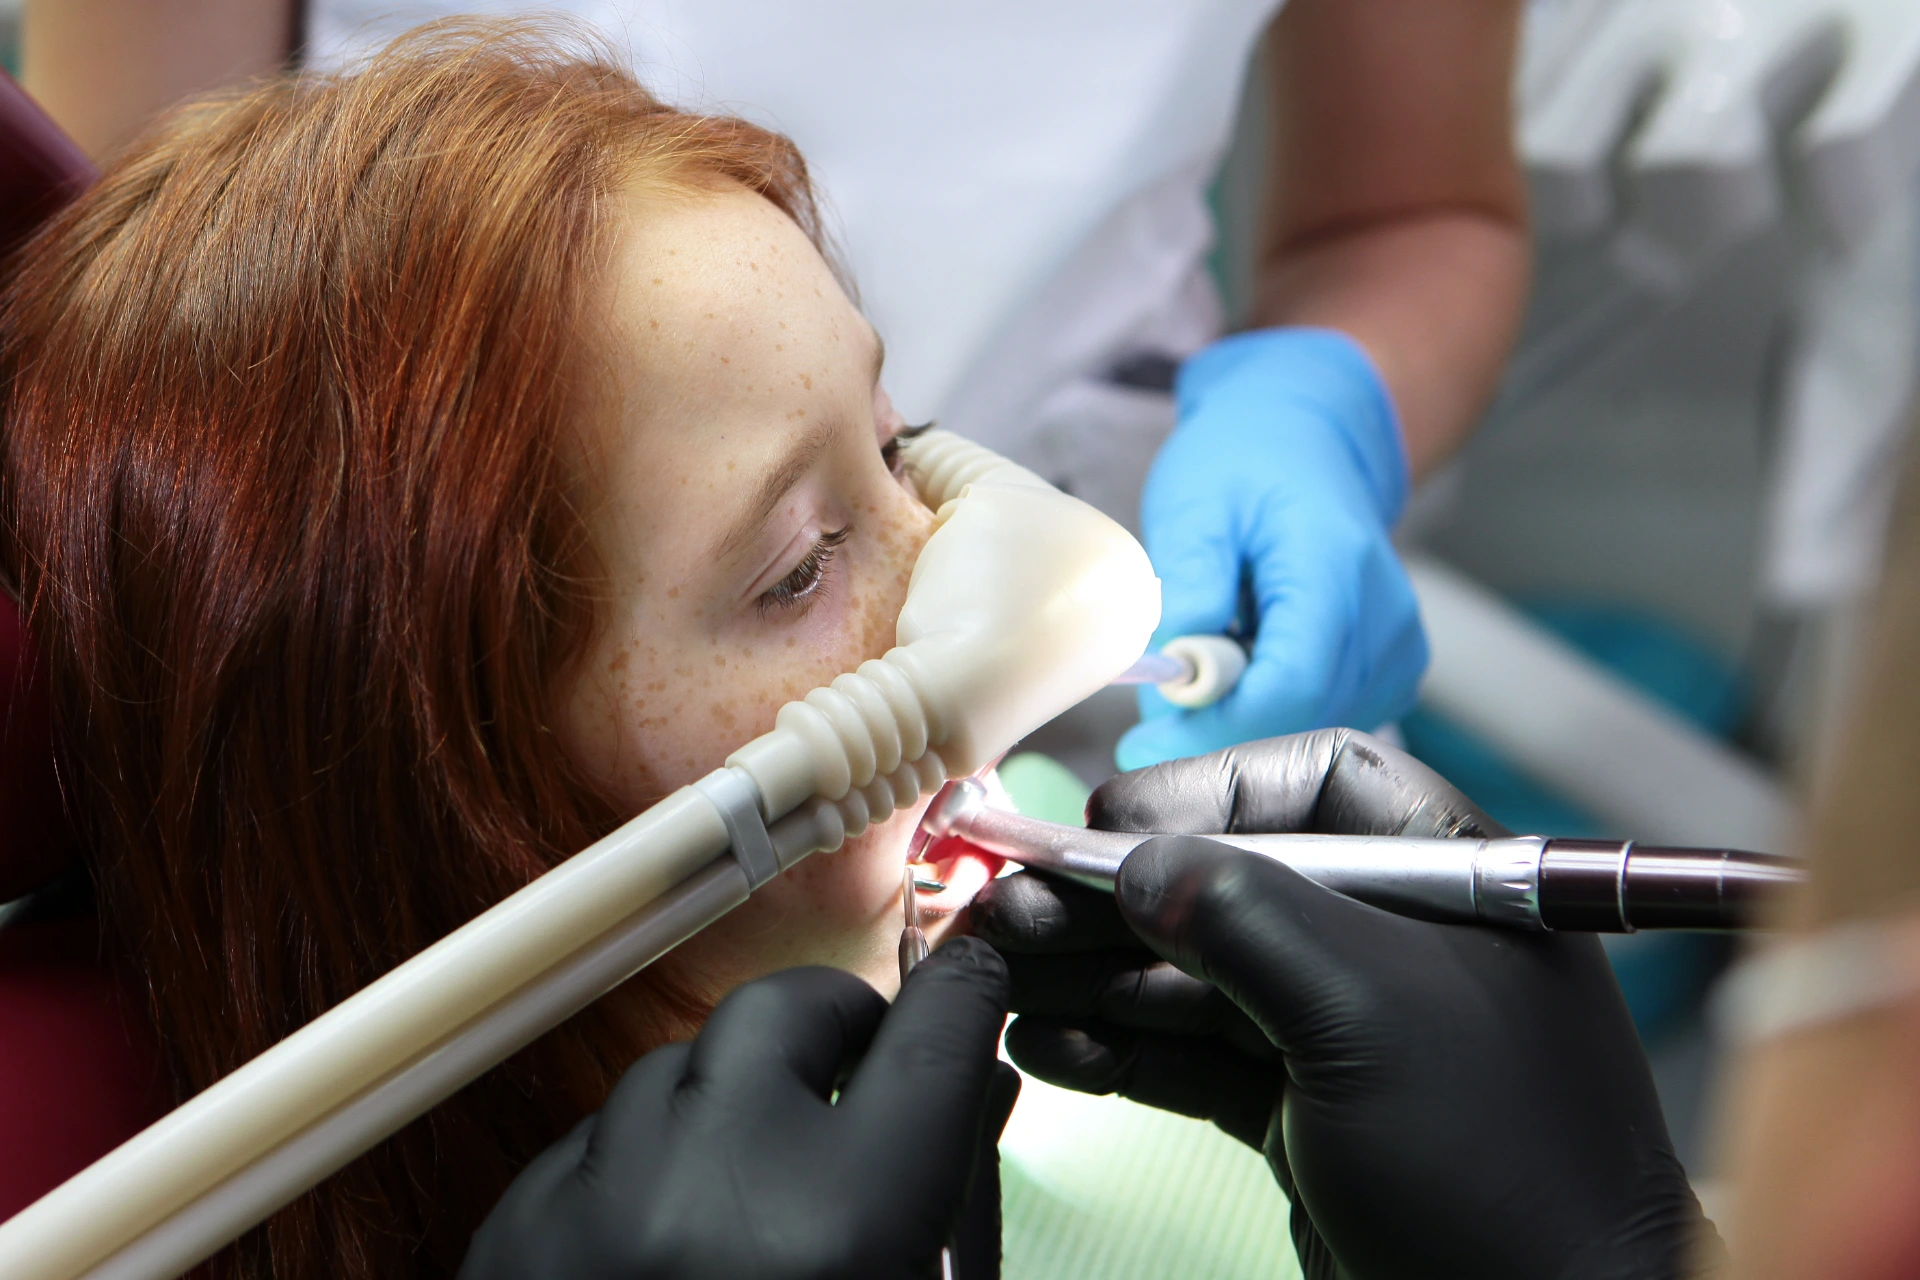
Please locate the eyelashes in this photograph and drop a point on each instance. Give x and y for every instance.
(890, 451)
(807, 577)
(805, 581)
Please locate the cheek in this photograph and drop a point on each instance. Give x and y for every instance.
(659, 718)
(903, 525)
(659, 714)
(840, 909)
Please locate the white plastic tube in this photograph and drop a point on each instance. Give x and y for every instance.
(223, 1213)
(1023, 602)
(1579, 729)
(1216, 663)
(1191, 671)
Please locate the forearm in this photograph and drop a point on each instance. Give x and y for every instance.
(104, 68)
(1395, 208)
(1435, 297)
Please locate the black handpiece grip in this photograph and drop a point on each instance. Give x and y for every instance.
(1702, 888)
(1610, 886)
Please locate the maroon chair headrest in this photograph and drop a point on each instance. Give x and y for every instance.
(79, 1064)
(41, 169)
(37, 840)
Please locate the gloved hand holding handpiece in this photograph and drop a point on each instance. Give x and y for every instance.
(731, 1156)
(1281, 483)
(1434, 1099)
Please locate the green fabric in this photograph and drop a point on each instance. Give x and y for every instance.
(1103, 1189)
(1044, 788)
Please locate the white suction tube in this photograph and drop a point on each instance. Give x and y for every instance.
(1023, 602)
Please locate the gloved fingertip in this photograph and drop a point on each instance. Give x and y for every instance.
(1162, 880)
(656, 1072)
(967, 960)
(967, 952)
(803, 1023)
(1032, 914)
(1067, 1055)
(1017, 912)
(1114, 805)
(1192, 794)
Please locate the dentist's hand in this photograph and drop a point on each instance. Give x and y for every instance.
(1434, 1099)
(1286, 472)
(729, 1157)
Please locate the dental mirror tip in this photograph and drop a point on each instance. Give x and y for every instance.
(927, 884)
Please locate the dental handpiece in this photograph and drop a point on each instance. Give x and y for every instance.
(1520, 882)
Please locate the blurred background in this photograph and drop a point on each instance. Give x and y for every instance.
(1668, 525)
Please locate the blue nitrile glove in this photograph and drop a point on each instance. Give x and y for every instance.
(1286, 471)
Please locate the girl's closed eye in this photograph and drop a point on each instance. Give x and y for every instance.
(807, 577)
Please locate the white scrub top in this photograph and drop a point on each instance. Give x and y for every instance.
(1019, 186)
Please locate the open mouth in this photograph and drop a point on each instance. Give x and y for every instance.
(960, 869)
(948, 870)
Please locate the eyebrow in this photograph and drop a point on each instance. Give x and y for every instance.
(773, 488)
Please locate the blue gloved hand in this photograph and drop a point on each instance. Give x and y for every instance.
(1286, 471)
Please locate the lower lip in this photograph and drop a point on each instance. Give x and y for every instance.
(963, 868)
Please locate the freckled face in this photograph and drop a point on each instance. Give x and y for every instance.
(756, 544)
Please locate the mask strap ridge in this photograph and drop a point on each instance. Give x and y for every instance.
(735, 797)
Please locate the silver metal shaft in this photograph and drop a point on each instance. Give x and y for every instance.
(913, 943)
(1523, 882)
(913, 949)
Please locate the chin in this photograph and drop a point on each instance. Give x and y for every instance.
(842, 909)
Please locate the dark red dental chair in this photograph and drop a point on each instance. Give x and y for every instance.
(79, 1069)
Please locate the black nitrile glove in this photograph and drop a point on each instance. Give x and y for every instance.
(729, 1157)
(1435, 1100)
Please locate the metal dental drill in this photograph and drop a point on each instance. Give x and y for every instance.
(1521, 882)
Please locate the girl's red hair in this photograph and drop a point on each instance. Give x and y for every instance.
(285, 493)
